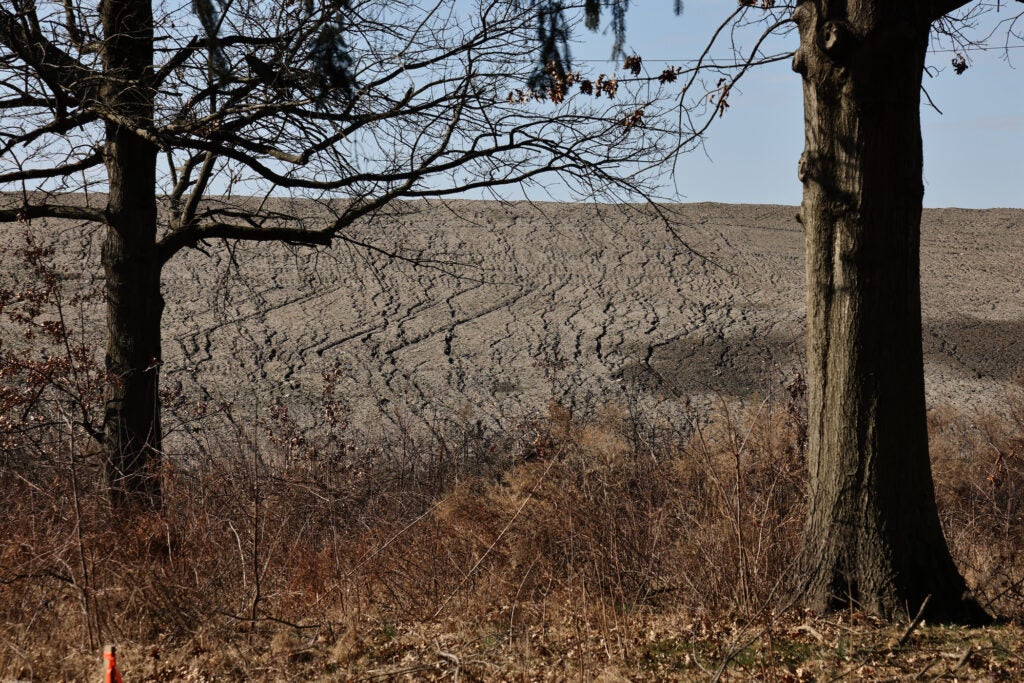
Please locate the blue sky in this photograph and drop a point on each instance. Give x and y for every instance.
(974, 150)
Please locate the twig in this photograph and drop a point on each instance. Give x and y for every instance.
(926, 669)
(274, 620)
(948, 672)
(810, 630)
(391, 675)
(448, 656)
(913, 625)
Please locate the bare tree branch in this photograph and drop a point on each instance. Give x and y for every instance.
(94, 159)
(62, 73)
(181, 239)
(29, 212)
(940, 8)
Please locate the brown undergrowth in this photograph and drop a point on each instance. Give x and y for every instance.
(613, 546)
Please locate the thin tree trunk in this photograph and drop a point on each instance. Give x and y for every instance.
(132, 435)
(873, 538)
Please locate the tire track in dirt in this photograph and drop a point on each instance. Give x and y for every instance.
(523, 303)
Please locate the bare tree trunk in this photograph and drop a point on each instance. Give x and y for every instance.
(873, 538)
(132, 436)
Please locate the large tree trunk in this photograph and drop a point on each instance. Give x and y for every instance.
(132, 436)
(872, 539)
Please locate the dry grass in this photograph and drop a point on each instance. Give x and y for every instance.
(616, 547)
(978, 463)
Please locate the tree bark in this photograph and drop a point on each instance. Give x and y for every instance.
(872, 540)
(132, 433)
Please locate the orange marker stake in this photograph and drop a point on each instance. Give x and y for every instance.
(113, 675)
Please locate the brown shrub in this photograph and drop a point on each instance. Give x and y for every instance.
(979, 473)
